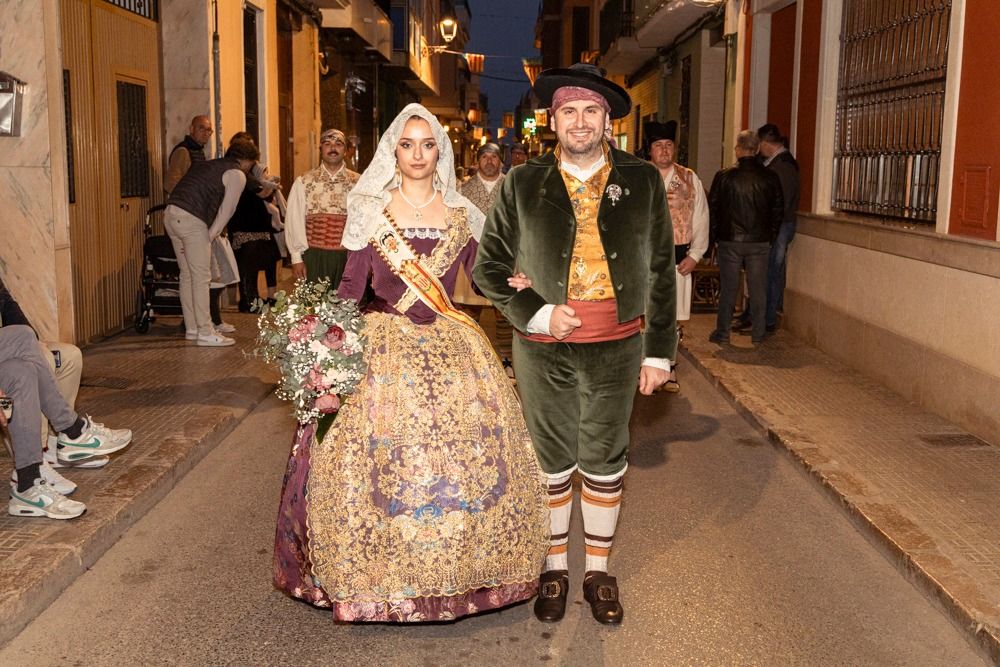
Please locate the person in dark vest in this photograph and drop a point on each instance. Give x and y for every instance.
(187, 152)
(197, 211)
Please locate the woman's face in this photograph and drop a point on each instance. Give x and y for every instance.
(417, 150)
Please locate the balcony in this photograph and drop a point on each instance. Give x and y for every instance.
(359, 25)
(633, 30)
(410, 38)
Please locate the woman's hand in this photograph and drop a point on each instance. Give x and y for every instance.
(519, 281)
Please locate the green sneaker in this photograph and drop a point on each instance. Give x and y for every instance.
(93, 441)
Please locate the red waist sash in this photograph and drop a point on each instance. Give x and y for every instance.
(325, 230)
(600, 324)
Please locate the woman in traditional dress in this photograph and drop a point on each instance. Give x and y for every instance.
(424, 500)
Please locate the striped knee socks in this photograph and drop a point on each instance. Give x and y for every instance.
(560, 508)
(600, 502)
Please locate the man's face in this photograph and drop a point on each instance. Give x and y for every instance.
(517, 156)
(767, 149)
(201, 130)
(332, 151)
(579, 126)
(661, 153)
(489, 166)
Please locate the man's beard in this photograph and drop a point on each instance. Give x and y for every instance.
(582, 149)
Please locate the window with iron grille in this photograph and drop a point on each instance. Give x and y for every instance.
(890, 107)
(144, 8)
(133, 151)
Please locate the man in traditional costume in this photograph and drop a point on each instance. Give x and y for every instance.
(482, 189)
(317, 212)
(688, 213)
(589, 226)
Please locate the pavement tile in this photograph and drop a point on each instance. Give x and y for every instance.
(919, 486)
(180, 401)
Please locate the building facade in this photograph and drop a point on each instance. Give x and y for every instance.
(895, 268)
(111, 87)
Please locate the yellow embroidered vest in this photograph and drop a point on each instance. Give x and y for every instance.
(589, 277)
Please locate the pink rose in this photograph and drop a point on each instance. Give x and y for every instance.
(328, 403)
(315, 381)
(303, 329)
(334, 338)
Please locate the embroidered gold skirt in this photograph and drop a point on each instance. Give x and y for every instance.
(424, 501)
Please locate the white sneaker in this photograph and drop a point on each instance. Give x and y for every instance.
(90, 443)
(43, 500)
(225, 328)
(123, 435)
(51, 477)
(215, 340)
(191, 335)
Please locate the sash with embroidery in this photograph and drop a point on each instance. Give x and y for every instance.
(422, 280)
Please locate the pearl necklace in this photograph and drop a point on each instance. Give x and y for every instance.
(418, 216)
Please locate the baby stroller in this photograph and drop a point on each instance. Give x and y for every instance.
(160, 278)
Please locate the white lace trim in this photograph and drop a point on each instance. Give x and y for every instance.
(423, 233)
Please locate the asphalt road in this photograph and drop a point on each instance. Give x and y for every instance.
(726, 555)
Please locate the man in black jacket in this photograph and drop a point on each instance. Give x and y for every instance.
(745, 212)
(778, 159)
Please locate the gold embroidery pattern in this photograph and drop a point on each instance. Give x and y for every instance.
(453, 239)
(589, 277)
(427, 483)
(681, 199)
(326, 194)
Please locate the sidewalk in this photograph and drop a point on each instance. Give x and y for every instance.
(180, 401)
(923, 490)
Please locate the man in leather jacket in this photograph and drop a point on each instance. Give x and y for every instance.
(746, 207)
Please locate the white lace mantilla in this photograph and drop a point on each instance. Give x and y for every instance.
(371, 195)
(423, 233)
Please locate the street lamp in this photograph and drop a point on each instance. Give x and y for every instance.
(448, 27)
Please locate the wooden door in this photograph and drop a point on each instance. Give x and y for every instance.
(113, 68)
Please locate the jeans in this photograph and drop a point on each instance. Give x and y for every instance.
(732, 257)
(776, 272)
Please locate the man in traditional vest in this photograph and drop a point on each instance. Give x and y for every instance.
(689, 214)
(317, 211)
(482, 189)
(187, 152)
(589, 225)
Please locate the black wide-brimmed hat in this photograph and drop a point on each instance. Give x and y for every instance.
(583, 75)
(653, 131)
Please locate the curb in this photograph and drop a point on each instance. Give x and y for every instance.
(47, 570)
(984, 639)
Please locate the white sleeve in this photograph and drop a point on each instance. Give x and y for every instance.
(539, 322)
(295, 222)
(234, 180)
(699, 223)
(657, 362)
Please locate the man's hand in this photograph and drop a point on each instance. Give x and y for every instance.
(686, 266)
(563, 321)
(650, 378)
(299, 270)
(519, 281)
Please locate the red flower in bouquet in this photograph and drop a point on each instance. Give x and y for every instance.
(315, 380)
(334, 338)
(328, 403)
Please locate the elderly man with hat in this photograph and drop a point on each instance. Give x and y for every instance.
(317, 211)
(589, 227)
(688, 212)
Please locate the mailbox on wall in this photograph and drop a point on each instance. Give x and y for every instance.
(11, 102)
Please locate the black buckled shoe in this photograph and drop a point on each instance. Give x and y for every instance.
(553, 586)
(601, 591)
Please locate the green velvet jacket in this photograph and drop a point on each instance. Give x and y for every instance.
(532, 227)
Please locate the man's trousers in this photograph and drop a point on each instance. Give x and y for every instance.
(577, 400)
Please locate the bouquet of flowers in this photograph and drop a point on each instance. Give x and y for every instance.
(317, 340)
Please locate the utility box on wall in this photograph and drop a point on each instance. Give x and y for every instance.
(11, 103)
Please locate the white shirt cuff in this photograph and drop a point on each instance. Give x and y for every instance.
(657, 362)
(539, 323)
(296, 256)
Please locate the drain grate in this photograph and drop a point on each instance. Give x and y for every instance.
(105, 382)
(953, 440)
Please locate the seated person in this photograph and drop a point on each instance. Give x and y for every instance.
(26, 379)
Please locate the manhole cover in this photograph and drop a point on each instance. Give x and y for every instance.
(953, 440)
(105, 382)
